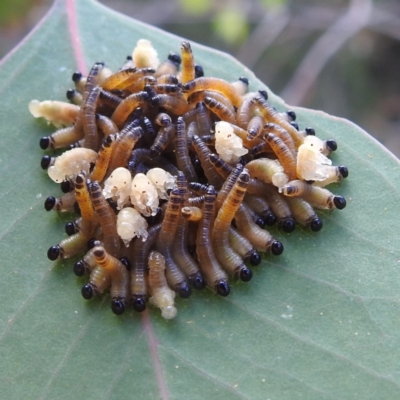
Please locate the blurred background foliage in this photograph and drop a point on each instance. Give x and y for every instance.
(341, 56)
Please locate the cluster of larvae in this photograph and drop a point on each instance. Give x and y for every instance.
(174, 177)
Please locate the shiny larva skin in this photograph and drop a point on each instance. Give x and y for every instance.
(140, 253)
(180, 251)
(163, 128)
(182, 153)
(106, 218)
(162, 295)
(227, 257)
(119, 278)
(175, 277)
(214, 275)
(91, 138)
(216, 84)
(261, 239)
(188, 72)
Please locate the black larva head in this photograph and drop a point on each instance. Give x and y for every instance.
(70, 94)
(343, 171)
(222, 288)
(175, 58)
(291, 114)
(245, 274)
(44, 142)
(269, 219)
(331, 145)
(260, 222)
(288, 225)
(87, 292)
(77, 76)
(79, 268)
(244, 80)
(139, 303)
(310, 131)
(49, 203)
(70, 228)
(46, 160)
(316, 224)
(276, 248)
(118, 307)
(184, 290)
(198, 71)
(264, 94)
(254, 258)
(197, 281)
(340, 202)
(66, 186)
(53, 252)
(295, 125)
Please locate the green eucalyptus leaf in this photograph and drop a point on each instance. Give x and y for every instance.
(321, 321)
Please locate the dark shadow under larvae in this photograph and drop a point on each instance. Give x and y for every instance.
(171, 176)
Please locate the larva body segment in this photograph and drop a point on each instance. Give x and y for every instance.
(58, 113)
(103, 159)
(127, 106)
(269, 171)
(227, 257)
(68, 247)
(61, 138)
(215, 84)
(140, 253)
(161, 295)
(214, 275)
(136, 136)
(72, 162)
(203, 153)
(91, 140)
(180, 245)
(119, 278)
(99, 281)
(89, 221)
(106, 218)
(220, 110)
(188, 72)
(87, 264)
(64, 203)
(316, 196)
(191, 213)
(182, 152)
(261, 239)
(175, 277)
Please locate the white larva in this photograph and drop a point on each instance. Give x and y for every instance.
(145, 55)
(59, 113)
(144, 195)
(71, 163)
(131, 224)
(118, 186)
(228, 145)
(312, 165)
(161, 180)
(162, 295)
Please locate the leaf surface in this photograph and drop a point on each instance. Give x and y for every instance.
(321, 321)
